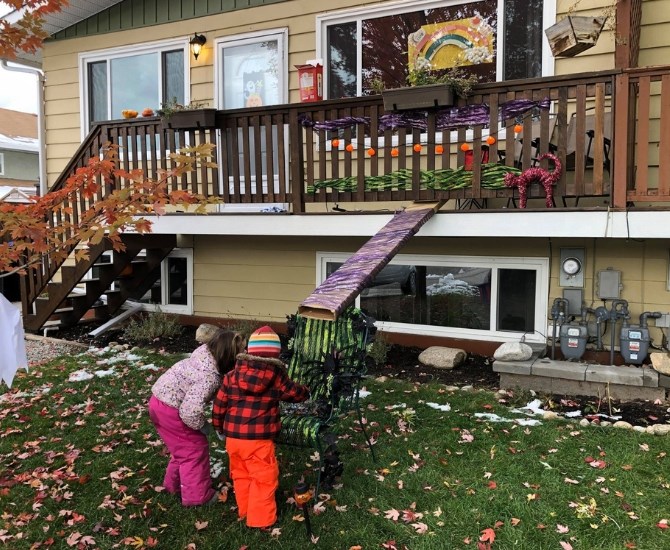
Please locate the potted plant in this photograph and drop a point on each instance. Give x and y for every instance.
(193, 115)
(574, 34)
(428, 88)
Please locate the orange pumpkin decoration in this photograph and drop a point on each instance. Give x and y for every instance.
(465, 147)
(349, 147)
(371, 152)
(518, 128)
(148, 112)
(439, 149)
(417, 147)
(394, 152)
(490, 140)
(335, 143)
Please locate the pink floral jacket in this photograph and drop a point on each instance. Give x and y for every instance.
(189, 386)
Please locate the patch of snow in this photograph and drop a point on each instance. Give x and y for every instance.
(445, 408)
(150, 366)
(534, 407)
(215, 468)
(573, 414)
(102, 373)
(79, 375)
(364, 393)
(527, 422)
(492, 417)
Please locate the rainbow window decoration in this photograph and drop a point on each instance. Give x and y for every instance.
(451, 44)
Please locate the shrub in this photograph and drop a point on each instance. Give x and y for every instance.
(151, 327)
(379, 349)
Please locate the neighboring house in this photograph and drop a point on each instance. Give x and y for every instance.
(19, 155)
(481, 271)
(19, 172)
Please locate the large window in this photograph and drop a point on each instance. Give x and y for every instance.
(495, 40)
(461, 297)
(132, 78)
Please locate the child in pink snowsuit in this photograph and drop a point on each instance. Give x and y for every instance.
(177, 409)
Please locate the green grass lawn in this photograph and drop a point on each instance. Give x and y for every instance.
(81, 467)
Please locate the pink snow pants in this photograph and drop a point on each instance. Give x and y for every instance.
(188, 470)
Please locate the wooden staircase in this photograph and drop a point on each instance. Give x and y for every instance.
(133, 274)
(49, 289)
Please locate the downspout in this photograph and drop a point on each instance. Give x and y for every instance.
(41, 122)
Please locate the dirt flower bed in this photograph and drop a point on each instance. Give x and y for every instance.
(403, 363)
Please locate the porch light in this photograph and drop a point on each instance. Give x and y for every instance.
(197, 43)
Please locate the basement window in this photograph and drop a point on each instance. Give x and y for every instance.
(173, 291)
(466, 297)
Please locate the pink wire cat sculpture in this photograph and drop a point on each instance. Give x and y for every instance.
(546, 178)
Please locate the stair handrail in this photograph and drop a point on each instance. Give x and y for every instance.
(36, 278)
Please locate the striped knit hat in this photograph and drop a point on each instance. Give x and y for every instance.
(264, 343)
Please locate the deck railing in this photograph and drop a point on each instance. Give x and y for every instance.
(607, 129)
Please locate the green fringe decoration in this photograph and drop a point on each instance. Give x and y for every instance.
(492, 177)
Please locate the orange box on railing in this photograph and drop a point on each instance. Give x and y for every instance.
(310, 80)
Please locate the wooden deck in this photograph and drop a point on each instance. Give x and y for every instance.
(608, 129)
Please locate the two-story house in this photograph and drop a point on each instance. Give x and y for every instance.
(306, 184)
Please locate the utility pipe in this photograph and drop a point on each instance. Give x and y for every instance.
(41, 123)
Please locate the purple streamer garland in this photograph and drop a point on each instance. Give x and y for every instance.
(447, 119)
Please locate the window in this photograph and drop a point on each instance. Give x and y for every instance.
(132, 78)
(251, 71)
(458, 296)
(495, 40)
(173, 291)
(2, 164)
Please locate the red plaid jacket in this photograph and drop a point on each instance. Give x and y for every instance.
(247, 403)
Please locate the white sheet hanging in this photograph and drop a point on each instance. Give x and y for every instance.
(12, 342)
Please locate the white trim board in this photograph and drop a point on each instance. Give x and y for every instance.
(511, 223)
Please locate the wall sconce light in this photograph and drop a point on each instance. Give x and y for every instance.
(197, 42)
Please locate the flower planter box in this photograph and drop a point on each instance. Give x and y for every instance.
(192, 118)
(574, 34)
(418, 97)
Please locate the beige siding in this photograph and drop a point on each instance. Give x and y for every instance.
(267, 278)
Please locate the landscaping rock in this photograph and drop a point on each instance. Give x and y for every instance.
(441, 357)
(205, 332)
(660, 362)
(661, 429)
(622, 424)
(513, 351)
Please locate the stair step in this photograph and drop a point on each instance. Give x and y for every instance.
(64, 310)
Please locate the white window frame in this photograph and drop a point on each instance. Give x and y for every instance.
(175, 308)
(126, 51)
(537, 264)
(281, 34)
(393, 8)
(2, 164)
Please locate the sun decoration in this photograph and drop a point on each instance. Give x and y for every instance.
(335, 143)
(349, 147)
(417, 147)
(371, 152)
(394, 152)
(439, 149)
(465, 147)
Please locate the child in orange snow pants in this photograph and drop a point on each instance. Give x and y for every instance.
(246, 412)
(255, 474)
